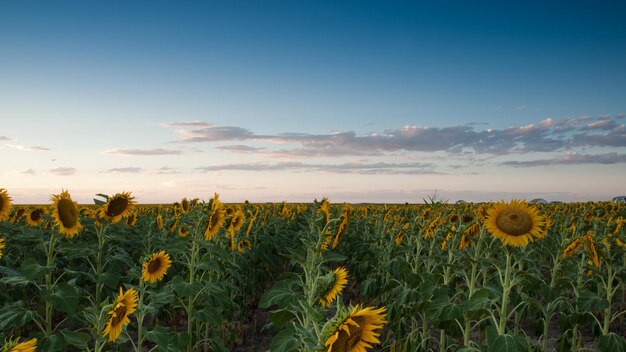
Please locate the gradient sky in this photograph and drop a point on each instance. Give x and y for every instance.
(385, 101)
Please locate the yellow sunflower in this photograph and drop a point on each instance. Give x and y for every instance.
(155, 268)
(236, 222)
(357, 331)
(5, 205)
(159, 222)
(123, 307)
(340, 281)
(216, 218)
(17, 216)
(184, 205)
(65, 214)
(28, 346)
(132, 219)
(34, 218)
(516, 223)
(183, 231)
(119, 206)
(1, 246)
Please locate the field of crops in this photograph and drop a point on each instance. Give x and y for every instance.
(207, 276)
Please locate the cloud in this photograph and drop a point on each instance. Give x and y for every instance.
(343, 168)
(194, 123)
(548, 135)
(154, 151)
(36, 148)
(572, 159)
(30, 172)
(64, 171)
(124, 170)
(166, 170)
(5, 138)
(240, 148)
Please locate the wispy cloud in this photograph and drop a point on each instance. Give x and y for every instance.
(548, 135)
(124, 170)
(572, 159)
(343, 168)
(5, 138)
(154, 151)
(30, 172)
(64, 171)
(35, 148)
(165, 170)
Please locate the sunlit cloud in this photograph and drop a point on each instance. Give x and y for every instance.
(124, 170)
(154, 151)
(343, 168)
(572, 159)
(548, 135)
(64, 171)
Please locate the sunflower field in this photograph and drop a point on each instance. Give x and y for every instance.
(207, 276)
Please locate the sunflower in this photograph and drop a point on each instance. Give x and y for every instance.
(155, 268)
(183, 231)
(343, 225)
(184, 205)
(5, 205)
(125, 304)
(516, 223)
(28, 346)
(340, 281)
(236, 222)
(132, 219)
(216, 218)
(159, 222)
(1, 246)
(464, 243)
(17, 216)
(34, 218)
(119, 206)
(357, 331)
(65, 214)
(243, 245)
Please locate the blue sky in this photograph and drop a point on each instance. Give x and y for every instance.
(293, 100)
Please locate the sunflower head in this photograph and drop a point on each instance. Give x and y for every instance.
(184, 205)
(16, 346)
(5, 204)
(355, 330)
(123, 307)
(119, 206)
(1, 247)
(34, 218)
(516, 223)
(155, 267)
(159, 222)
(216, 218)
(184, 231)
(236, 222)
(339, 280)
(65, 214)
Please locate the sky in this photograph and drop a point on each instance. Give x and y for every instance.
(358, 101)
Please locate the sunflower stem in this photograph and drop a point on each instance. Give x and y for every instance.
(140, 315)
(49, 284)
(506, 289)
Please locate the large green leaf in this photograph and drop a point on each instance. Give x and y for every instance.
(285, 341)
(64, 297)
(479, 301)
(76, 339)
(15, 315)
(509, 343)
(612, 343)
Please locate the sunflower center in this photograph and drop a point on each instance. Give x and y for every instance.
(67, 213)
(120, 313)
(514, 222)
(117, 206)
(35, 215)
(1, 203)
(154, 265)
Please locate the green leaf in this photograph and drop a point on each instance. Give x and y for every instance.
(183, 288)
(15, 315)
(509, 343)
(163, 337)
(208, 315)
(280, 316)
(13, 277)
(285, 341)
(612, 343)
(64, 298)
(479, 301)
(76, 339)
(282, 294)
